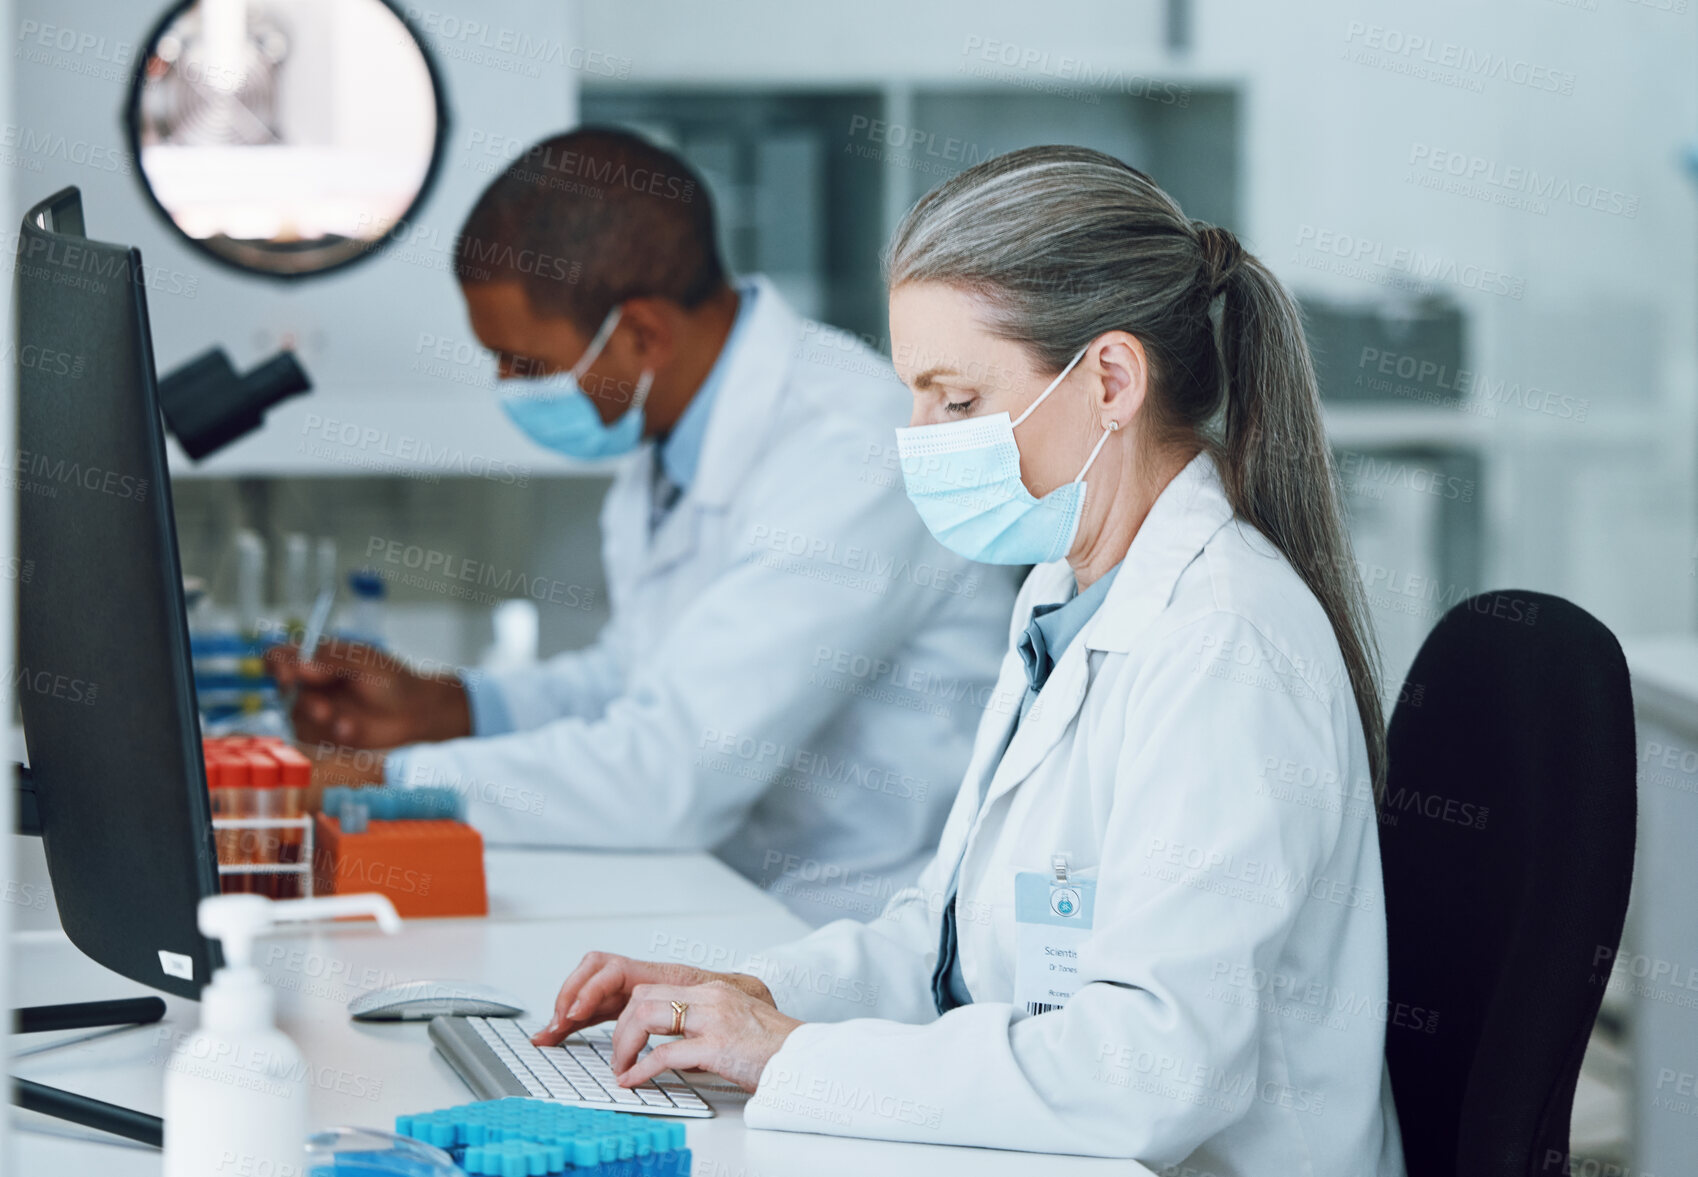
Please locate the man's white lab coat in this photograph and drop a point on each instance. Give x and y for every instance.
(793, 670)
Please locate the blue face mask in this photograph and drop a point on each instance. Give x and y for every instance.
(554, 412)
(964, 479)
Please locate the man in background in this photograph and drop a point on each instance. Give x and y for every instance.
(794, 669)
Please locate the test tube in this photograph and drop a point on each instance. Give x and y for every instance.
(250, 580)
(265, 777)
(295, 777)
(297, 580)
(326, 566)
(222, 800)
(239, 804)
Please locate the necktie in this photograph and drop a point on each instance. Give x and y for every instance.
(663, 497)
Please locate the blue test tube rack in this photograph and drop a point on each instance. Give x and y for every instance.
(535, 1138)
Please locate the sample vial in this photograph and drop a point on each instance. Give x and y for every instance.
(294, 781)
(239, 804)
(223, 806)
(265, 777)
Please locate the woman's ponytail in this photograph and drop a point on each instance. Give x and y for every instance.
(1276, 463)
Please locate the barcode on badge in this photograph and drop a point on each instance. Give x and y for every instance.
(1041, 1007)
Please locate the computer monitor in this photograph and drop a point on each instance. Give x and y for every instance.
(103, 677)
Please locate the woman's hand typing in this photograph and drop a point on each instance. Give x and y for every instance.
(731, 1025)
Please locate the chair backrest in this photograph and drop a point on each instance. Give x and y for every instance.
(1507, 834)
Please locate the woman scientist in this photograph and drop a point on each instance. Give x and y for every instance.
(1154, 927)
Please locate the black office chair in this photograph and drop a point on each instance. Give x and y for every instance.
(1507, 833)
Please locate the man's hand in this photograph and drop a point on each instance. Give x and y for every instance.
(732, 1026)
(357, 696)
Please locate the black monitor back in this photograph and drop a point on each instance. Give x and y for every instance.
(103, 676)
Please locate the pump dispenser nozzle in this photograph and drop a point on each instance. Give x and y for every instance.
(236, 920)
(238, 997)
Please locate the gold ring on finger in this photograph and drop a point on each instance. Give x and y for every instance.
(679, 1009)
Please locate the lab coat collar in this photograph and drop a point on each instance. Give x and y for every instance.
(752, 371)
(680, 452)
(1184, 517)
(746, 406)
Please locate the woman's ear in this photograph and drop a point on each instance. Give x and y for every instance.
(1118, 358)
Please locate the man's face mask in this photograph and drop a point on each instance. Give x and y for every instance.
(555, 412)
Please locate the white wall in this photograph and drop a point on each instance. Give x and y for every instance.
(740, 40)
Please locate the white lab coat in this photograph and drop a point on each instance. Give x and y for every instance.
(793, 669)
(1197, 750)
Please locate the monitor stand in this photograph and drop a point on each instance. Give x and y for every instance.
(80, 1015)
(80, 1109)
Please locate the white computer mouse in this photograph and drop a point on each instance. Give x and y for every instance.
(417, 1000)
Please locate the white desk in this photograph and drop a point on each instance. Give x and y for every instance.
(687, 908)
(552, 884)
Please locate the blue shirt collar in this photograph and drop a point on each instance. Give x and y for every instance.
(1053, 628)
(681, 452)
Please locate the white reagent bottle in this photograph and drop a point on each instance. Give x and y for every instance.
(236, 1089)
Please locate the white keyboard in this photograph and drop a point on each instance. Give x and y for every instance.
(496, 1059)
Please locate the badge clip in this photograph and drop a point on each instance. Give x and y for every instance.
(1065, 899)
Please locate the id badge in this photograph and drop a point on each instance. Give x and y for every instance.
(1052, 924)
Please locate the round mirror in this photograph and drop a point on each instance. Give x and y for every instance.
(286, 137)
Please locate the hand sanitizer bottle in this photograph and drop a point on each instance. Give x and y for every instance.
(236, 1089)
